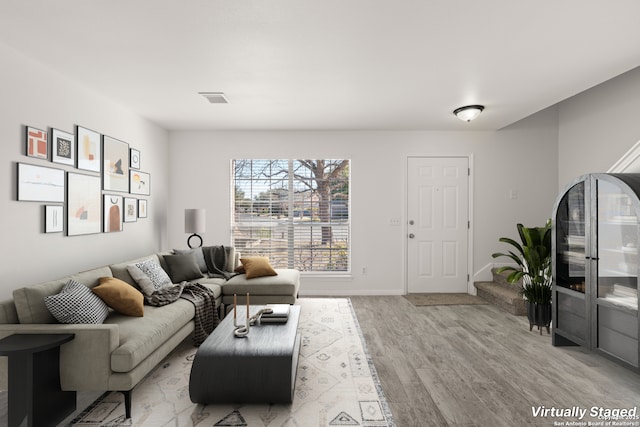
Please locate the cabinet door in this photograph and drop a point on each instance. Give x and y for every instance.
(571, 265)
(616, 292)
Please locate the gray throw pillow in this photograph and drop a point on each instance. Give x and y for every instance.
(76, 304)
(197, 252)
(183, 267)
(149, 276)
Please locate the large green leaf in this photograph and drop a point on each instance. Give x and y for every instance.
(533, 259)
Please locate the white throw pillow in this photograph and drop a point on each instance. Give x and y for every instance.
(76, 304)
(149, 275)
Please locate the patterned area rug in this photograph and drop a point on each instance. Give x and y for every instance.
(336, 385)
(444, 299)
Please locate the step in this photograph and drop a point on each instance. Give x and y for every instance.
(501, 280)
(507, 298)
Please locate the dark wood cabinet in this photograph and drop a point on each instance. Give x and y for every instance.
(596, 235)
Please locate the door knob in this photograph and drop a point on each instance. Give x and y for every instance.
(411, 222)
(411, 236)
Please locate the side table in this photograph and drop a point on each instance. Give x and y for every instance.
(34, 379)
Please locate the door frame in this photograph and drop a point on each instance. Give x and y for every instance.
(405, 215)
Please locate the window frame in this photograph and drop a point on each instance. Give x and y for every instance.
(295, 225)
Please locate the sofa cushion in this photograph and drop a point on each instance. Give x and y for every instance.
(76, 304)
(29, 300)
(287, 282)
(258, 266)
(215, 284)
(197, 252)
(182, 267)
(149, 275)
(141, 336)
(120, 296)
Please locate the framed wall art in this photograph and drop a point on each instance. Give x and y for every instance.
(142, 208)
(130, 209)
(53, 218)
(139, 183)
(113, 214)
(134, 158)
(115, 171)
(40, 183)
(83, 204)
(63, 147)
(89, 149)
(37, 143)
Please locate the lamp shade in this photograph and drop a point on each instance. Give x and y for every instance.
(468, 112)
(194, 221)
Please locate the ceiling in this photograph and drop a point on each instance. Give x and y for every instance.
(329, 64)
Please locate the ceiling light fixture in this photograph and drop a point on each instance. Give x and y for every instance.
(468, 112)
(215, 97)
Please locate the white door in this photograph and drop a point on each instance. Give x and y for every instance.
(437, 229)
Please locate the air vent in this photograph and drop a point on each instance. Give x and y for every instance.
(215, 97)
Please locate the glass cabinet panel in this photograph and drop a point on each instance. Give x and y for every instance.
(570, 239)
(617, 247)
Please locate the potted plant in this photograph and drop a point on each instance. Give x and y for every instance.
(533, 260)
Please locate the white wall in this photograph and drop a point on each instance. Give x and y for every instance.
(378, 170)
(598, 126)
(37, 96)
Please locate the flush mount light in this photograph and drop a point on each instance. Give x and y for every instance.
(468, 112)
(215, 97)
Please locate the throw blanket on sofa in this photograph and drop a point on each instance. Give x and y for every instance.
(203, 300)
(216, 258)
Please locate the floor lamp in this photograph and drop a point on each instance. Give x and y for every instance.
(194, 222)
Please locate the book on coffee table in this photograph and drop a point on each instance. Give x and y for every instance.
(279, 314)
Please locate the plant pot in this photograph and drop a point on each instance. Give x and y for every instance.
(539, 315)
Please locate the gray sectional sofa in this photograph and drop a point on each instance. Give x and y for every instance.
(116, 354)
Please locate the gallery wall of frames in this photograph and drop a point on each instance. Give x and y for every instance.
(89, 182)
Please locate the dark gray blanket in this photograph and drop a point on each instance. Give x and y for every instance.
(216, 258)
(203, 300)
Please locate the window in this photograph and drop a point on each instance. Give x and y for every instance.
(295, 212)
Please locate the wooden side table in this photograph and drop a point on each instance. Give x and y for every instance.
(34, 379)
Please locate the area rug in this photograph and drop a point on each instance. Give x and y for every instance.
(420, 300)
(336, 385)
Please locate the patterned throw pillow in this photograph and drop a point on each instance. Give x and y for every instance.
(149, 275)
(76, 304)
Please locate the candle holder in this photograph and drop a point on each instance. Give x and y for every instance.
(240, 331)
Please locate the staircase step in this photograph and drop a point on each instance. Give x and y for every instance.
(509, 299)
(501, 280)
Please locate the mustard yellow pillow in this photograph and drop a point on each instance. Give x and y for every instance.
(257, 267)
(120, 296)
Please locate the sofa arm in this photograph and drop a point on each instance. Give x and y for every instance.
(85, 361)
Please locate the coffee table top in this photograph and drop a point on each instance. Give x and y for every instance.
(272, 339)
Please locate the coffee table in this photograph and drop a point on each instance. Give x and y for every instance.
(260, 368)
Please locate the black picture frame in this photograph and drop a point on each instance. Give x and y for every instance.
(63, 147)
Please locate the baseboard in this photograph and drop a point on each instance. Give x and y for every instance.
(348, 292)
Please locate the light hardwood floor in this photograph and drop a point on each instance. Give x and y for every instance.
(477, 365)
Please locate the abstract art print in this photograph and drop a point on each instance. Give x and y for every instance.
(115, 158)
(89, 149)
(62, 147)
(134, 159)
(40, 184)
(53, 218)
(83, 204)
(140, 183)
(130, 209)
(37, 143)
(142, 208)
(113, 216)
